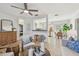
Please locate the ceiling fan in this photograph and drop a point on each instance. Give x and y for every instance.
(26, 10)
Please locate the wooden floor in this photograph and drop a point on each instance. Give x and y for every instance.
(59, 50)
(54, 48)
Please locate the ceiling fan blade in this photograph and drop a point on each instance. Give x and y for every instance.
(36, 14)
(17, 7)
(31, 14)
(22, 12)
(25, 6)
(33, 10)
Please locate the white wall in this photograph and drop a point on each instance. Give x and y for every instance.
(27, 27)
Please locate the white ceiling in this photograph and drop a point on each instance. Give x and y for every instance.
(44, 8)
(55, 8)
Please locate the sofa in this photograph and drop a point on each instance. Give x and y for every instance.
(26, 44)
(71, 44)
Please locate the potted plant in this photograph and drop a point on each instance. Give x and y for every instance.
(66, 28)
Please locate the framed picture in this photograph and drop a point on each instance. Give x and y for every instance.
(6, 25)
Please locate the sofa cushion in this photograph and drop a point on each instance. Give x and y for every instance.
(42, 38)
(71, 39)
(25, 40)
(64, 42)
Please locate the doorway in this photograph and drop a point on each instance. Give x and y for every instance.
(21, 24)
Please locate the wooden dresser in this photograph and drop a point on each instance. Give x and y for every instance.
(9, 40)
(7, 37)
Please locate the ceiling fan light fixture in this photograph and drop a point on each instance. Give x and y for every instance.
(26, 11)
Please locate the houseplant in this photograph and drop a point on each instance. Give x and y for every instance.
(66, 28)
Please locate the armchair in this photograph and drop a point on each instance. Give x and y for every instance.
(27, 44)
